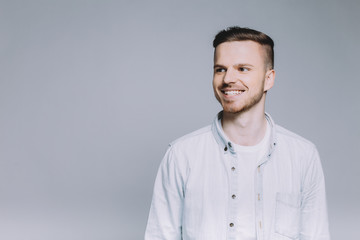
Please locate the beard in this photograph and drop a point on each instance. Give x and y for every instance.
(243, 105)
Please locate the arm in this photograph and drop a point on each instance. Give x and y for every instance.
(314, 219)
(165, 216)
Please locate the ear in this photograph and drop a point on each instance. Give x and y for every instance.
(269, 79)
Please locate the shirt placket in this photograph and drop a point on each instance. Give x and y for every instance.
(233, 193)
(259, 203)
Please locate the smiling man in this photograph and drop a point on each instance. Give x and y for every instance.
(242, 177)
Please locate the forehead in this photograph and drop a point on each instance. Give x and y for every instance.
(239, 52)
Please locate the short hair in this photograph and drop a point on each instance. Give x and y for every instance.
(236, 33)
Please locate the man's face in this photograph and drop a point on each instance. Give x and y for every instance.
(240, 75)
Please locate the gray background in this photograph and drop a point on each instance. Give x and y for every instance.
(91, 92)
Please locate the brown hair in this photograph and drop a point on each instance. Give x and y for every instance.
(236, 33)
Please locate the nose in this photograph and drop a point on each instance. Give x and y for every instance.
(229, 76)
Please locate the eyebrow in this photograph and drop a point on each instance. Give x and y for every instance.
(243, 65)
(236, 65)
(218, 66)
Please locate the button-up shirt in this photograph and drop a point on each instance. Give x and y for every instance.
(193, 194)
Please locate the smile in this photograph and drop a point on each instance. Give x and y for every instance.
(232, 92)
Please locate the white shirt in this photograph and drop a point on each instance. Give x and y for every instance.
(192, 197)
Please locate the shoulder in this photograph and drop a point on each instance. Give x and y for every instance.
(285, 135)
(297, 152)
(182, 151)
(191, 139)
(291, 142)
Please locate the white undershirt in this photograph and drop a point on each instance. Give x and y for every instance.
(248, 159)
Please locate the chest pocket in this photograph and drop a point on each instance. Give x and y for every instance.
(287, 215)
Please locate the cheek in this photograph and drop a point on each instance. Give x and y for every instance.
(216, 82)
(257, 81)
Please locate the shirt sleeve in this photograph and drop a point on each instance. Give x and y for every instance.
(165, 217)
(314, 219)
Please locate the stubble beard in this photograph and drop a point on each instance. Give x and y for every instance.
(244, 106)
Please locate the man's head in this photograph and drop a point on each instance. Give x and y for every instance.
(243, 69)
(232, 34)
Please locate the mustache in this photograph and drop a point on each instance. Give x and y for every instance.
(233, 86)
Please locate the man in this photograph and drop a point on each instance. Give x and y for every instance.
(243, 177)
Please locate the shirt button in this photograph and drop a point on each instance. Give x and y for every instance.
(231, 224)
(233, 169)
(233, 196)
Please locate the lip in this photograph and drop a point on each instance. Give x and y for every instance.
(231, 92)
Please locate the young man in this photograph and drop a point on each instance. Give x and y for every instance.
(243, 177)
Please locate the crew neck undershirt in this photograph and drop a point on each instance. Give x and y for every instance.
(262, 145)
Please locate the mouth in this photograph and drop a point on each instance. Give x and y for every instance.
(232, 92)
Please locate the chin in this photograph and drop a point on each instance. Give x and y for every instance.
(239, 108)
(233, 109)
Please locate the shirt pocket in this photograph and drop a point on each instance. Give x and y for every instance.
(287, 215)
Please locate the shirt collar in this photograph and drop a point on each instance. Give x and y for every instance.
(228, 146)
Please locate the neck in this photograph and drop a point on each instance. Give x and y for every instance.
(245, 128)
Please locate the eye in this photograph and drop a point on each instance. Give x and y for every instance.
(243, 69)
(220, 70)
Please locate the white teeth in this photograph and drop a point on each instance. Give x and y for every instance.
(232, 92)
